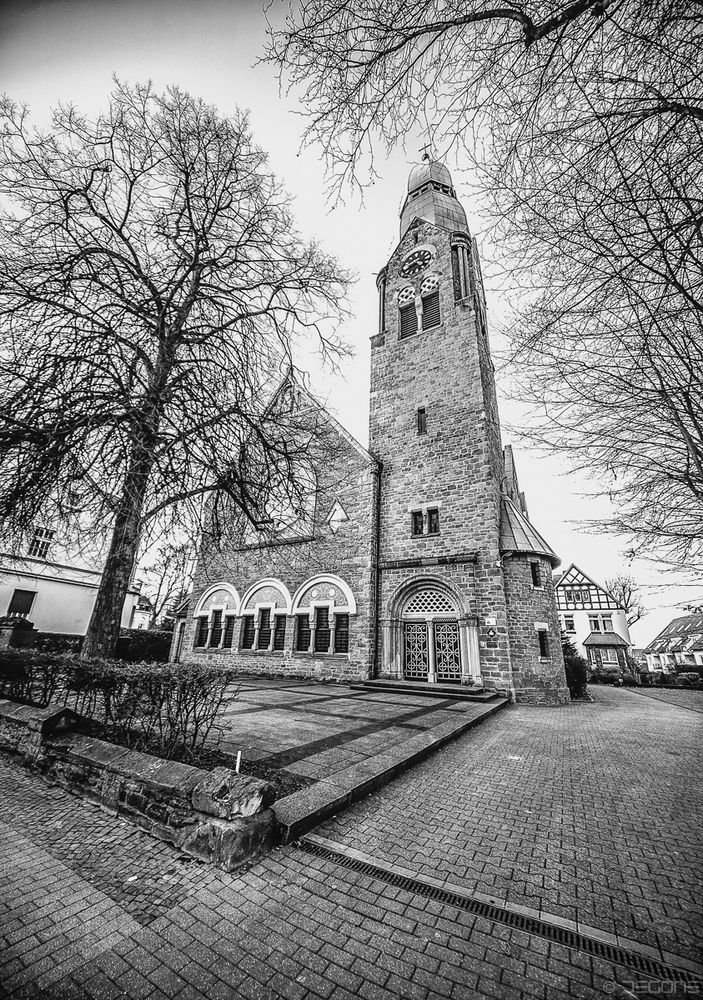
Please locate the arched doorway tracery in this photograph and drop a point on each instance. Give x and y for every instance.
(431, 650)
(429, 637)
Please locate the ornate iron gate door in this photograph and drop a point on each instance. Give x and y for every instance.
(446, 637)
(417, 662)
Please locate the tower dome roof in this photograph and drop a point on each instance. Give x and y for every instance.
(431, 197)
(429, 170)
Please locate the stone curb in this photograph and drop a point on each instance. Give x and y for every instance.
(299, 812)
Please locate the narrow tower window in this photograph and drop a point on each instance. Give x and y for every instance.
(433, 521)
(381, 305)
(421, 420)
(416, 522)
(543, 643)
(536, 578)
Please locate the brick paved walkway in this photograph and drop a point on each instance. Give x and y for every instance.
(595, 807)
(589, 812)
(682, 698)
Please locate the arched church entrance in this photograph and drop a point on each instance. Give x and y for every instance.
(431, 647)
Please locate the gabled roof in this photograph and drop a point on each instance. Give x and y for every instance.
(518, 535)
(575, 577)
(682, 635)
(290, 383)
(182, 610)
(609, 639)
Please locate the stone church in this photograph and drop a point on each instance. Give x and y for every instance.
(418, 562)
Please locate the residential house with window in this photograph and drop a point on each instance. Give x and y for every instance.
(416, 561)
(679, 647)
(53, 584)
(592, 619)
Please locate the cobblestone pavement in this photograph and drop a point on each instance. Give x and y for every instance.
(674, 696)
(599, 799)
(587, 812)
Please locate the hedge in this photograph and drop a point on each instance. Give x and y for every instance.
(167, 709)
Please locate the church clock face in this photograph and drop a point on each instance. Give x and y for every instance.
(415, 262)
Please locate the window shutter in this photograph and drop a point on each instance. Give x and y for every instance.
(302, 638)
(279, 633)
(430, 310)
(323, 633)
(216, 632)
(341, 633)
(247, 636)
(264, 629)
(201, 632)
(229, 632)
(408, 320)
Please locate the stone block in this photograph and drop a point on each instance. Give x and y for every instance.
(224, 794)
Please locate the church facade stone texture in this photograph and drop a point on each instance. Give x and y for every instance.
(419, 563)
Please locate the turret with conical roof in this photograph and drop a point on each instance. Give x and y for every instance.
(431, 196)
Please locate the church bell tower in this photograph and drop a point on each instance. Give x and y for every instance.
(457, 603)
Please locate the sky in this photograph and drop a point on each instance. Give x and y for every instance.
(68, 50)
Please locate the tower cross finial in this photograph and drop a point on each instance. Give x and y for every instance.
(426, 150)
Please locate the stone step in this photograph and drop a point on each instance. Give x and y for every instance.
(424, 690)
(303, 810)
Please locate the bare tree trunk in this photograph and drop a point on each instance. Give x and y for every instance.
(104, 628)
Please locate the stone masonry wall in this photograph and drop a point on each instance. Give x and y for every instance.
(539, 681)
(218, 816)
(346, 475)
(453, 464)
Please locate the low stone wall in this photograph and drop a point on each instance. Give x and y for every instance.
(218, 816)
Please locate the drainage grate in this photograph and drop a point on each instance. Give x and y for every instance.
(561, 935)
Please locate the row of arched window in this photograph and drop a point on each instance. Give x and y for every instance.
(319, 614)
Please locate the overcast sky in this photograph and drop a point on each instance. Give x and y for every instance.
(68, 50)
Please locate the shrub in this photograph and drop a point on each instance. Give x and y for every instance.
(687, 679)
(58, 642)
(28, 676)
(139, 645)
(604, 677)
(576, 668)
(168, 709)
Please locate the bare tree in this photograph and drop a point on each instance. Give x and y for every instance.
(152, 287)
(627, 593)
(583, 124)
(168, 578)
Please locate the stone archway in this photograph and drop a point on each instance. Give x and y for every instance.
(431, 650)
(429, 638)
